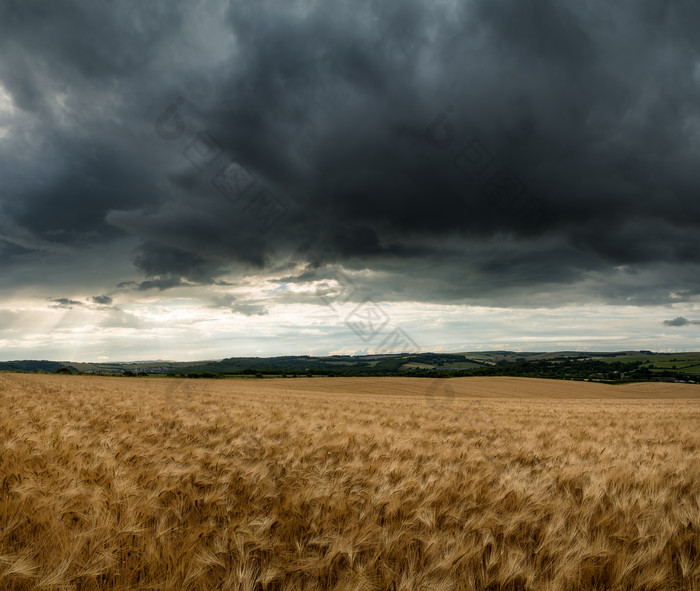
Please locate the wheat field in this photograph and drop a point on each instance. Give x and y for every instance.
(348, 484)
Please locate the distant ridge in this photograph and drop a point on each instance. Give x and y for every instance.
(604, 366)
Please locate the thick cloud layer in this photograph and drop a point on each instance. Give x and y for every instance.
(492, 152)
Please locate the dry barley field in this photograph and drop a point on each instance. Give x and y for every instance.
(348, 484)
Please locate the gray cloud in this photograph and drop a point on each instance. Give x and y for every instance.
(680, 321)
(249, 309)
(117, 318)
(575, 127)
(102, 300)
(66, 303)
(232, 303)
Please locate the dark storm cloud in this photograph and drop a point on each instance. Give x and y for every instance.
(170, 263)
(473, 150)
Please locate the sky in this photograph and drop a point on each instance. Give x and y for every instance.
(199, 180)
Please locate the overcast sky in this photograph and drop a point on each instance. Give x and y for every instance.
(191, 180)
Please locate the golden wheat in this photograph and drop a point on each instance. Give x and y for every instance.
(488, 483)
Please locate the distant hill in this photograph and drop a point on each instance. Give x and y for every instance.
(616, 367)
(30, 365)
